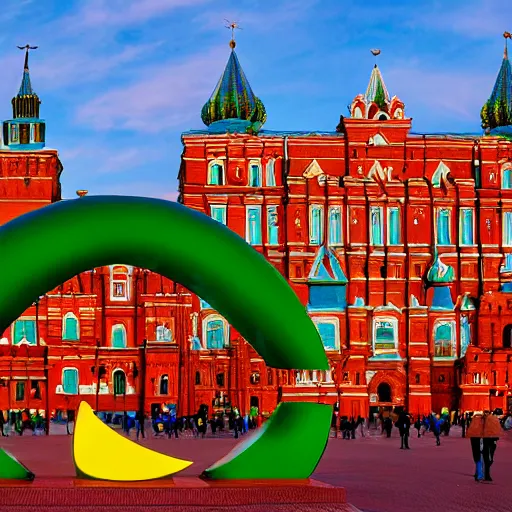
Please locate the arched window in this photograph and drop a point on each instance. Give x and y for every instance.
(163, 333)
(119, 282)
(254, 174)
(119, 379)
(476, 378)
(70, 381)
(24, 332)
(70, 329)
(444, 339)
(198, 378)
(216, 173)
(118, 339)
(164, 384)
(384, 392)
(270, 174)
(216, 332)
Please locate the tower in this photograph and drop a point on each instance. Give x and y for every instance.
(497, 111)
(233, 107)
(26, 131)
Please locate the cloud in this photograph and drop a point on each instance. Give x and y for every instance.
(172, 96)
(122, 13)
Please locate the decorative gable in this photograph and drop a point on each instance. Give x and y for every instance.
(378, 140)
(440, 176)
(380, 174)
(313, 170)
(327, 268)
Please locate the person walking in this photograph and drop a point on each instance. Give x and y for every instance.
(2, 423)
(491, 434)
(417, 426)
(139, 425)
(404, 424)
(463, 423)
(475, 433)
(435, 426)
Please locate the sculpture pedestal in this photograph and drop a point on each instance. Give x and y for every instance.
(177, 494)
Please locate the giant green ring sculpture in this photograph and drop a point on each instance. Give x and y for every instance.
(44, 248)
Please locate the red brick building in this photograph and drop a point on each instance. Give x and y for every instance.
(399, 245)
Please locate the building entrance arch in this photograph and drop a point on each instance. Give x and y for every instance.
(78, 235)
(384, 392)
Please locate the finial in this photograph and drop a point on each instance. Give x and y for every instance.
(81, 193)
(233, 25)
(375, 52)
(27, 47)
(506, 35)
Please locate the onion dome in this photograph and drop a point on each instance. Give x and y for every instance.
(232, 105)
(497, 111)
(440, 273)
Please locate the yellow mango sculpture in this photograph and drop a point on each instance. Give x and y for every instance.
(101, 453)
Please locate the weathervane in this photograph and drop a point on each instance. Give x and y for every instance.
(233, 25)
(27, 47)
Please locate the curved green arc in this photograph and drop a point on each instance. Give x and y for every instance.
(44, 248)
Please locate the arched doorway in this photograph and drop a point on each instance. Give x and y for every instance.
(384, 392)
(507, 336)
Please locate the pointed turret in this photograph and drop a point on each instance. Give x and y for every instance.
(26, 130)
(440, 276)
(497, 111)
(233, 107)
(376, 103)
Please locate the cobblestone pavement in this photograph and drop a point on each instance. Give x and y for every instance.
(378, 476)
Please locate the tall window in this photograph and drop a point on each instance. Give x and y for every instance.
(443, 226)
(507, 229)
(163, 333)
(218, 213)
(270, 173)
(507, 178)
(443, 339)
(215, 174)
(118, 336)
(164, 384)
(215, 333)
(70, 381)
(385, 336)
(335, 232)
(465, 335)
(70, 331)
(327, 296)
(466, 226)
(376, 226)
(253, 234)
(119, 282)
(254, 174)
(329, 332)
(24, 332)
(316, 223)
(394, 227)
(272, 225)
(20, 391)
(119, 379)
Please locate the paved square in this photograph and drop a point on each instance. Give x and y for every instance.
(378, 476)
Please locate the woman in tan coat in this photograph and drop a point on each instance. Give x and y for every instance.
(491, 434)
(475, 433)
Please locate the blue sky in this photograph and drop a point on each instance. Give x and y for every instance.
(121, 79)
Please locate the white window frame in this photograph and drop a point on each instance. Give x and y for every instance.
(272, 209)
(125, 336)
(260, 173)
(509, 242)
(113, 282)
(453, 341)
(381, 209)
(319, 207)
(66, 316)
(394, 322)
(211, 163)
(340, 210)
(472, 210)
(270, 170)
(247, 224)
(77, 380)
(388, 215)
(160, 326)
(333, 321)
(204, 333)
(221, 207)
(437, 210)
